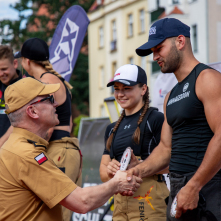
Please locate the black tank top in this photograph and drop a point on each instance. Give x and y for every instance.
(191, 132)
(64, 110)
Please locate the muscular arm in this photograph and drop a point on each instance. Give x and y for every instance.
(160, 157)
(82, 200)
(6, 135)
(208, 91)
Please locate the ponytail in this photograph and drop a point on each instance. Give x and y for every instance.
(136, 135)
(47, 65)
(110, 138)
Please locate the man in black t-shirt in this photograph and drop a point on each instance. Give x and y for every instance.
(191, 134)
(8, 75)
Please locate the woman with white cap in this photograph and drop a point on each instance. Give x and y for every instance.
(139, 127)
(62, 148)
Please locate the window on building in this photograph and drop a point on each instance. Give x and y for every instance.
(114, 30)
(194, 38)
(131, 60)
(130, 25)
(101, 37)
(114, 68)
(142, 21)
(114, 35)
(143, 63)
(175, 2)
(101, 77)
(158, 3)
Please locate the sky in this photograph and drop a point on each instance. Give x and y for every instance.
(6, 12)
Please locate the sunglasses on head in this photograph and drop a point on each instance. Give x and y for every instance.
(50, 98)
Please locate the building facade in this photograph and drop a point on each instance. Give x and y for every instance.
(117, 28)
(204, 19)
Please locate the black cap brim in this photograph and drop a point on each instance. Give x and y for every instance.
(145, 49)
(17, 54)
(122, 81)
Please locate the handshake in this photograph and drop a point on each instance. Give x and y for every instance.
(124, 186)
(127, 182)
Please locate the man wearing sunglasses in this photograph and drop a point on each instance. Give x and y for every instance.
(32, 187)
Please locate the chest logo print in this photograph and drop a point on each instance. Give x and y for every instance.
(146, 197)
(185, 94)
(127, 127)
(185, 87)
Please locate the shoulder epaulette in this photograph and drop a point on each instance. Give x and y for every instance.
(36, 144)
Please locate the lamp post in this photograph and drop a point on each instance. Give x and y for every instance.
(112, 109)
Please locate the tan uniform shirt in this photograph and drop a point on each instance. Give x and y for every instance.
(31, 185)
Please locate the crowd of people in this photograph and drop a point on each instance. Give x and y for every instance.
(41, 163)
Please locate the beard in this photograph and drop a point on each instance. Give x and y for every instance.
(172, 62)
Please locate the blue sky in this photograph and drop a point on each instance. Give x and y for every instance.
(6, 12)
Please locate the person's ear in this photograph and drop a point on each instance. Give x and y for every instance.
(180, 42)
(144, 89)
(15, 63)
(28, 61)
(32, 112)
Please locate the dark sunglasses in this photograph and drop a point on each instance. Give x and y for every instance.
(50, 98)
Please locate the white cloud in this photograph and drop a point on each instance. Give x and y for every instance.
(6, 12)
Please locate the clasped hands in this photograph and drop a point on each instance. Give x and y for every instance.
(131, 182)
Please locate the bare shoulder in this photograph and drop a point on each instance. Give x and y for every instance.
(167, 97)
(50, 78)
(165, 102)
(208, 84)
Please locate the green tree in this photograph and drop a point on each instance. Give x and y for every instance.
(79, 81)
(15, 32)
(77, 121)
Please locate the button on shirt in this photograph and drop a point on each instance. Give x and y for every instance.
(31, 185)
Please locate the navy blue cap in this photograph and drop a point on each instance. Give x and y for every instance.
(160, 30)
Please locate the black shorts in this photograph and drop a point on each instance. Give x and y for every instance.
(209, 206)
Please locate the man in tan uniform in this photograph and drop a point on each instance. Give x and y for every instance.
(32, 188)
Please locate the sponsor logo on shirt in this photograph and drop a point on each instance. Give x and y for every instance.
(179, 97)
(185, 87)
(162, 93)
(127, 126)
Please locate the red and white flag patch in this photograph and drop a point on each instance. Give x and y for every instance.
(41, 158)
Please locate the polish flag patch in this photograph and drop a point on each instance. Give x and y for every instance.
(41, 158)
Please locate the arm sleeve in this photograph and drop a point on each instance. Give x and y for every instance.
(107, 134)
(156, 121)
(47, 181)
